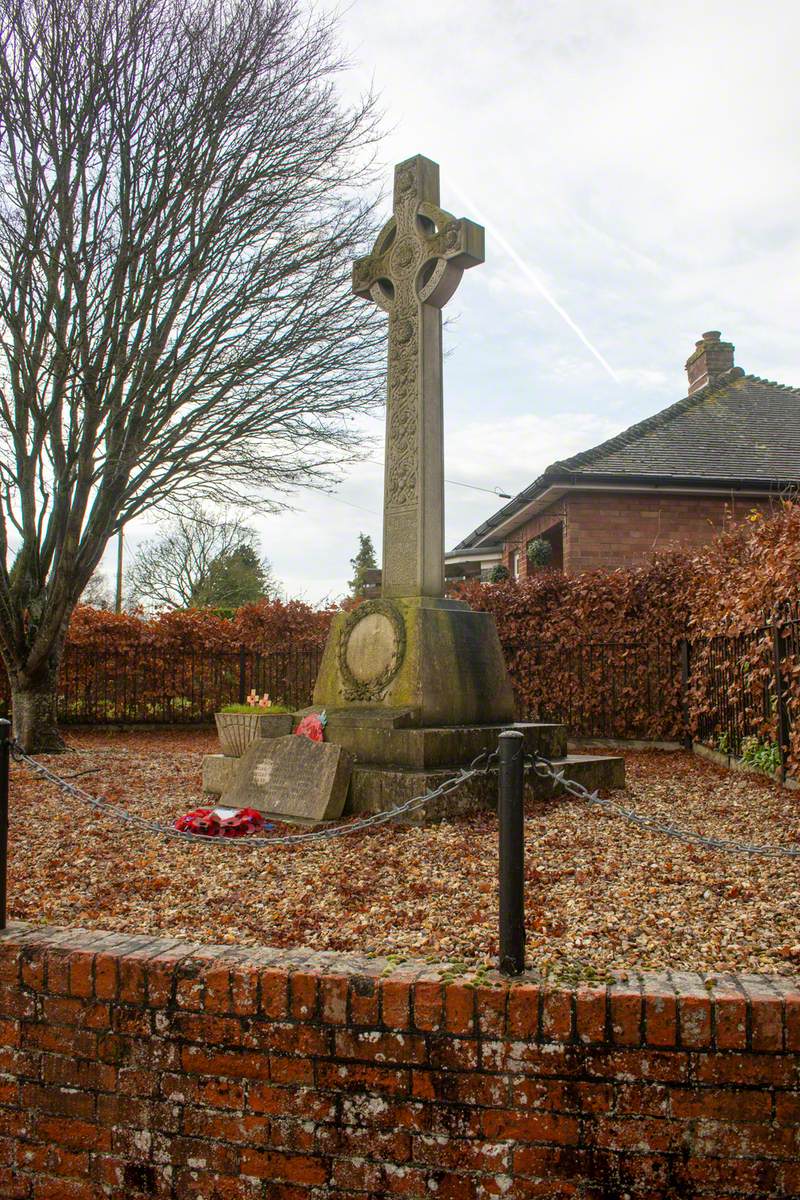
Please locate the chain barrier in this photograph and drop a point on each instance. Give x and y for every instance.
(544, 769)
(481, 765)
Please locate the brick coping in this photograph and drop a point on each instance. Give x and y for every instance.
(669, 1010)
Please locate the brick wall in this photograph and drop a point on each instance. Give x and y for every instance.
(132, 1067)
(549, 519)
(621, 529)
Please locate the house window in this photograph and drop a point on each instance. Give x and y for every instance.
(515, 565)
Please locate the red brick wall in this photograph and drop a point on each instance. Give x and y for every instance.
(621, 529)
(131, 1067)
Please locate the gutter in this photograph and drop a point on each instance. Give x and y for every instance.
(539, 495)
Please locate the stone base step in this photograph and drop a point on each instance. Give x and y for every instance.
(219, 771)
(375, 788)
(378, 789)
(431, 748)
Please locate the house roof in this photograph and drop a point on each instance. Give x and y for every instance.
(738, 431)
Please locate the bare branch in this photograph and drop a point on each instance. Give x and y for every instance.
(174, 570)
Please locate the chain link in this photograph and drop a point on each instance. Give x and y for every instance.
(481, 765)
(545, 769)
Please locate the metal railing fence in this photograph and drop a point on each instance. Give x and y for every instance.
(720, 691)
(140, 684)
(601, 688)
(748, 687)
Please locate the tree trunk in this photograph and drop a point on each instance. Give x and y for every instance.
(33, 713)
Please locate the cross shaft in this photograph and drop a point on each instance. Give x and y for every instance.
(413, 270)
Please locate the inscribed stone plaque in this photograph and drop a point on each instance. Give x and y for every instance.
(291, 779)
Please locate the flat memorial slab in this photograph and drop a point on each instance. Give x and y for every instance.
(291, 779)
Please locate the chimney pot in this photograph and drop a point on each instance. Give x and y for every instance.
(710, 360)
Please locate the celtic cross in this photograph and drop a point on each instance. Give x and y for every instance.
(413, 270)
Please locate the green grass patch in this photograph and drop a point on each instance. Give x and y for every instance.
(273, 710)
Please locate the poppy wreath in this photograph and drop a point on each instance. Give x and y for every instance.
(206, 822)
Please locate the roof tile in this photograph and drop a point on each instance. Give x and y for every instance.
(739, 428)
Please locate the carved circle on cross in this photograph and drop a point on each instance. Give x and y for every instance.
(437, 279)
(403, 255)
(405, 181)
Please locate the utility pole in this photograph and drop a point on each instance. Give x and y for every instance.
(118, 602)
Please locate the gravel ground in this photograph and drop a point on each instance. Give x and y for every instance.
(600, 894)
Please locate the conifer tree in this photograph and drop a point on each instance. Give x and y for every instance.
(364, 561)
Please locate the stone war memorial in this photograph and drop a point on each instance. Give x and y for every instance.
(414, 684)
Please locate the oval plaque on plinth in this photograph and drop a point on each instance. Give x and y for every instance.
(372, 647)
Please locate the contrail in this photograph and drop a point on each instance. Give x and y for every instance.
(531, 275)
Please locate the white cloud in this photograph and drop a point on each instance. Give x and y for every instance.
(512, 453)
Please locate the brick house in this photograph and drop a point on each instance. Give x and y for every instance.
(677, 478)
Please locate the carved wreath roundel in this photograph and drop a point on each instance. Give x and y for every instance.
(372, 646)
(403, 255)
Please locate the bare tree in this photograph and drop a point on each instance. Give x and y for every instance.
(181, 196)
(181, 566)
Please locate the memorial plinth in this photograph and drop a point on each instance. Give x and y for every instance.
(431, 659)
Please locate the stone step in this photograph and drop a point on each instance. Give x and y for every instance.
(428, 748)
(378, 789)
(604, 771)
(377, 743)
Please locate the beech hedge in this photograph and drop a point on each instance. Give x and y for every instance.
(600, 650)
(264, 626)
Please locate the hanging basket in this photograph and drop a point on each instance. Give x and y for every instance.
(539, 552)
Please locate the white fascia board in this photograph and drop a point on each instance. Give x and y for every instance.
(484, 556)
(544, 500)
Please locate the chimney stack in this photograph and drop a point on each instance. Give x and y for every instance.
(710, 360)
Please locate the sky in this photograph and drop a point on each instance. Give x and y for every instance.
(636, 166)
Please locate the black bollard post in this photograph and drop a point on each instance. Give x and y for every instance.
(512, 852)
(5, 762)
